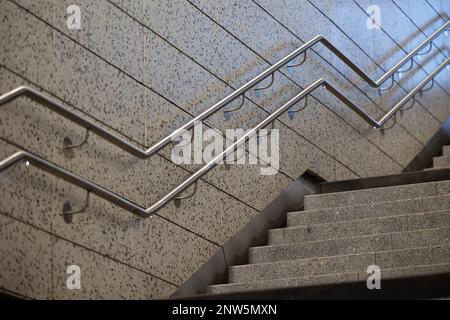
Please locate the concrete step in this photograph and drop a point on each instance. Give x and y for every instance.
(284, 283)
(376, 195)
(360, 227)
(446, 150)
(356, 263)
(441, 162)
(368, 211)
(328, 279)
(352, 245)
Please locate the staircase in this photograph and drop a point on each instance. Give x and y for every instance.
(404, 229)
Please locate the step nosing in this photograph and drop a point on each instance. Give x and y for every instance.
(342, 255)
(324, 275)
(364, 219)
(372, 203)
(365, 191)
(365, 236)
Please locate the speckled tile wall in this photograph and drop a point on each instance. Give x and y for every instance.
(142, 68)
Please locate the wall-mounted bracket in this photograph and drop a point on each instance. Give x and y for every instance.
(394, 118)
(400, 72)
(259, 89)
(419, 54)
(291, 113)
(258, 136)
(380, 90)
(177, 200)
(410, 107)
(227, 113)
(68, 144)
(427, 89)
(68, 212)
(295, 65)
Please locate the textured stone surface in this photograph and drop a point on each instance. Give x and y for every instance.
(304, 218)
(107, 31)
(27, 52)
(248, 22)
(143, 68)
(413, 271)
(99, 89)
(377, 195)
(441, 162)
(300, 268)
(360, 227)
(446, 150)
(153, 245)
(101, 277)
(436, 203)
(286, 13)
(319, 249)
(341, 229)
(26, 259)
(284, 283)
(412, 257)
(421, 238)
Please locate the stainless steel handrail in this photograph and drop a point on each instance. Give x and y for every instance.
(144, 154)
(147, 212)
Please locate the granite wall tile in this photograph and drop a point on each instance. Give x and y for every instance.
(42, 8)
(26, 192)
(153, 245)
(22, 49)
(107, 31)
(98, 89)
(101, 277)
(26, 259)
(132, 7)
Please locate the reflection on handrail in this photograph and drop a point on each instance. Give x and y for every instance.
(59, 108)
(147, 212)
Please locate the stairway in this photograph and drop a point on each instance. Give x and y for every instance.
(404, 229)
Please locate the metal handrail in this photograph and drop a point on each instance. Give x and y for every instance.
(144, 154)
(147, 212)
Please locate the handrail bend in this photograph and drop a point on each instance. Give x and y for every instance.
(144, 154)
(147, 212)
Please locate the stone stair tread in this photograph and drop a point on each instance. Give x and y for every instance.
(375, 195)
(284, 283)
(371, 210)
(441, 162)
(349, 263)
(328, 279)
(359, 227)
(403, 229)
(351, 245)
